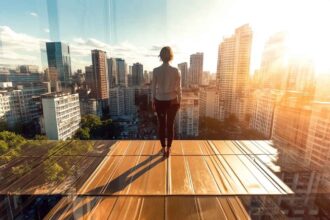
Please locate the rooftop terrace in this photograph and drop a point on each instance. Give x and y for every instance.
(122, 179)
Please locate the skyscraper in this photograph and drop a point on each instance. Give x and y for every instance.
(112, 72)
(122, 71)
(100, 85)
(183, 67)
(137, 74)
(273, 72)
(196, 68)
(300, 75)
(58, 55)
(233, 71)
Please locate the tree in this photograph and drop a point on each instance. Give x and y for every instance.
(13, 140)
(40, 137)
(3, 147)
(3, 125)
(83, 134)
(91, 122)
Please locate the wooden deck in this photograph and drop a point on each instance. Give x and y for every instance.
(194, 168)
(200, 180)
(150, 207)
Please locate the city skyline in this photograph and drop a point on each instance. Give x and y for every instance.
(21, 44)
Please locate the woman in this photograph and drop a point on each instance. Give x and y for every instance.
(166, 92)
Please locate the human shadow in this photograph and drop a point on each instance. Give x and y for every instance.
(114, 186)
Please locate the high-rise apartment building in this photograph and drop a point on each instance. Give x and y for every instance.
(300, 75)
(18, 104)
(318, 141)
(183, 68)
(61, 112)
(291, 123)
(187, 118)
(209, 103)
(112, 72)
(99, 84)
(122, 101)
(196, 69)
(263, 107)
(137, 74)
(122, 72)
(58, 55)
(273, 70)
(233, 71)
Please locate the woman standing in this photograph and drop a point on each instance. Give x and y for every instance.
(166, 92)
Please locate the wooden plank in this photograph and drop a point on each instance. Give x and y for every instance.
(135, 148)
(126, 208)
(139, 176)
(98, 180)
(244, 174)
(103, 208)
(120, 148)
(149, 148)
(176, 148)
(267, 183)
(219, 176)
(235, 184)
(209, 208)
(250, 148)
(156, 183)
(120, 180)
(267, 146)
(202, 179)
(226, 207)
(181, 207)
(222, 147)
(153, 207)
(191, 148)
(238, 208)
(206, 148)
(179, 181)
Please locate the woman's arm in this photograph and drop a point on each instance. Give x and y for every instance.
(153, 88)
(178, 87)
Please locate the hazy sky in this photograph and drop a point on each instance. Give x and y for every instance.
(136, 29)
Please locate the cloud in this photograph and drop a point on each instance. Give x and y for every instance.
(33, 14)
(19, 48)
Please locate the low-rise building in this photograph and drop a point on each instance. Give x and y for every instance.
(61, 112)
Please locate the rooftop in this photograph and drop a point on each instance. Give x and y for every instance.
(202, 178)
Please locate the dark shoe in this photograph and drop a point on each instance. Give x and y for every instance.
(163, 151)
(168, 152)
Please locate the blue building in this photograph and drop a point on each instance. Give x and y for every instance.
(58, 56)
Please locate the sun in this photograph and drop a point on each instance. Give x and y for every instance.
(308, 35)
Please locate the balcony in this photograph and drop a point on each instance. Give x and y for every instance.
(122, 179)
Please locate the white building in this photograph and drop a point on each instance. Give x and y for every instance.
(183, 67)
(61, 112)
(19, 104)
(263, 107)
(209, 103)
(233, 71)
(196, 69)
(187, 118)
(122, 101)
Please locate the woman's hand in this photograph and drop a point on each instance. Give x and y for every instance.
(153, 106)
